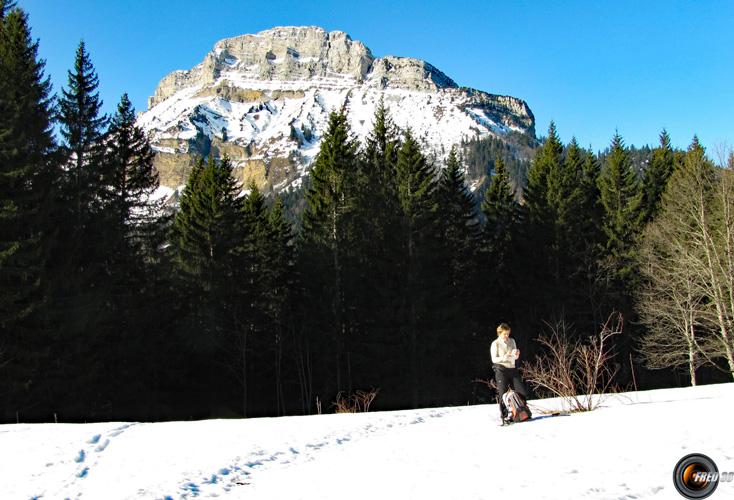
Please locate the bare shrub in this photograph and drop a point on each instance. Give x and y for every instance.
(359, 402)
(576, 371)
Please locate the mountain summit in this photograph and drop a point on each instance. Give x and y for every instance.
(264, 101)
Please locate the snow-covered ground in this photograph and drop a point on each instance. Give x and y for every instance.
(626, 449)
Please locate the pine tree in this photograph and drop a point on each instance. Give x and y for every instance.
(26, 172)
(253, 335)
(459, 226)
(205, 235)
(416, 187)
(548, 162)
(540, 216)
(82, 127)
(281, 284)
(132, 230)
(327, 251)
(621, 199)
(203, 228)
(590, 172)
(78, 268)
(377, 254)
(657, 175)
(80, 260)
(589, 243)
(128, 171)
(457, 239)
(499, 236)
(26, 145)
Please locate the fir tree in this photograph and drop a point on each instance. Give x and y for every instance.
(128, 173)
(26, 171)
(548, 162)
(205, 234)
(540, 216)
(281, 282)
(203, 228)
(589, 186)
(621, 200)
(416, 187)
(656, 176)
(80, 263)
(455, 315)
(377, 252)
(499, 236)
(82, 127)
(26, 145)
(132, 232)
(327, 249)
(382, 147)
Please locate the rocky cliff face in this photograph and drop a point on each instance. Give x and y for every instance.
(264, 101)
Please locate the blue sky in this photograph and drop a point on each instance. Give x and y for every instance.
(591, 66)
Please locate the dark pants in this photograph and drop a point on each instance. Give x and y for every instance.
(508, 377)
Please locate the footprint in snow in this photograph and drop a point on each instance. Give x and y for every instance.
(102, 446)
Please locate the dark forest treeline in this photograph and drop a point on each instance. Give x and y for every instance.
(394, 276)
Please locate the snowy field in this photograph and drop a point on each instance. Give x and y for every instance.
(625, 450)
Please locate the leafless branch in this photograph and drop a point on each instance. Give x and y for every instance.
(575, 371)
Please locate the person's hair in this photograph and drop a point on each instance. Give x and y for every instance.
(503, 327)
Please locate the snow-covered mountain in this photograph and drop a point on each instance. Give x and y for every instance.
(264, 101)
(626, 449)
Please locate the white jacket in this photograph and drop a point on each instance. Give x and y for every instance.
(501, 352)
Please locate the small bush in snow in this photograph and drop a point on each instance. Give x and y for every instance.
(358, 402)
(576, 371)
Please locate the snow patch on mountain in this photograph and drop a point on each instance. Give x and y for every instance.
(264, 100)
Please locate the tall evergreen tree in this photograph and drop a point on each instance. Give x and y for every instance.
(657, 175)
(416, 189)
(621, 198)
(206, 232)
(82, 128)
(26, 170)
(327, 250)
(591, 240)
(132, 230)
(575, 240)
(540, 215)
(128, 172)
(203, 228)
(500, 233)
(26, 144)
(548, 160)
(79, 267)
(454, 313)
(281, 284)
(253, 329)
(378, 264)
(381, 149)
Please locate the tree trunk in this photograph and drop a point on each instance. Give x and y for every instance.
(692, 356)
(244, 374)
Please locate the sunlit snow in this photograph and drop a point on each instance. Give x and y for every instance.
(625, 449)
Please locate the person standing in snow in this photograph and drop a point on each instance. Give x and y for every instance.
(504, 354)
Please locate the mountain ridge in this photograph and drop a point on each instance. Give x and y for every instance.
(263, 100)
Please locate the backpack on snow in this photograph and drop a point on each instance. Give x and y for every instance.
(516, 406)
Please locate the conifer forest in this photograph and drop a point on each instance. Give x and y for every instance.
(383, 272)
